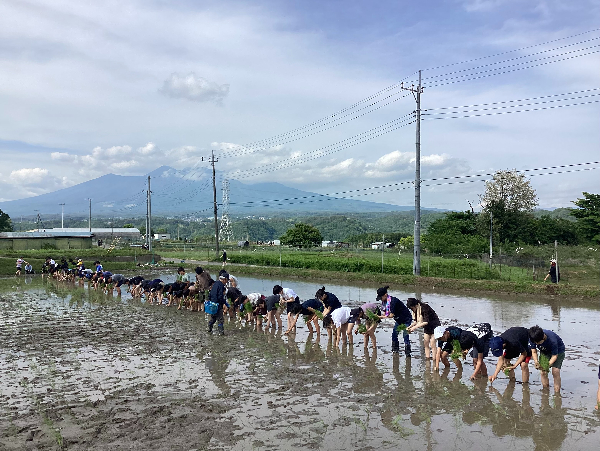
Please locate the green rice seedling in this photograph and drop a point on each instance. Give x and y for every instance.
(400, 328)
(544, 362)
(507, 371)
(371, 316)
(248, 307)
(319, 314)
(307, 318)
(362, 329)
(456, 350)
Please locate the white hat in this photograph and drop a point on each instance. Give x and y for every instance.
(438, 332)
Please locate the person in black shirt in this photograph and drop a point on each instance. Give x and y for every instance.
(395, 308)
(423, 316)
(466, 340)
(553, 273)
(513, 343)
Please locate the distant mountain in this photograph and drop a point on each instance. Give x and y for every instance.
(182, 193)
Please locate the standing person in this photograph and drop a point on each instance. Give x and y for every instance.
(598, 394)
(423, 316)
(553, 273)
(224, 258)
(217, 295)
(553, 348)
(395, 308)
(20, 262)
(182, 276)
(513, 343)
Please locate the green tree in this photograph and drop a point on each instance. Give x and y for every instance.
(5, 222)
(455, 233)
(510, 199)
(302, 235)
(588, 216)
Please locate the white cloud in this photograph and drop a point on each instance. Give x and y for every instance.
(194, 88)
(60, 156)
(28, 176)
(148, 149)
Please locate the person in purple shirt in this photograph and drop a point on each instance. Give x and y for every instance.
(360, 314)
(552, 346)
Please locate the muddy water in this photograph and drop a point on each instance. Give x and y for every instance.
(84, 370)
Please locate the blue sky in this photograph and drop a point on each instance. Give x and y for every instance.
(125, 87)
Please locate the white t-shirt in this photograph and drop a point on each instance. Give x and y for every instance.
(340, 316)
(253, 297)
(288, 293)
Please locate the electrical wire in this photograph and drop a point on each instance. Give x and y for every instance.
(514, 50)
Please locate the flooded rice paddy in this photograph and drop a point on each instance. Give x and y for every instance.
(82, 370)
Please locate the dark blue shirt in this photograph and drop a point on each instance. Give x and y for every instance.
(312, 303)
(217, 293)
(552, 345)
(332, 301)
(400, 311)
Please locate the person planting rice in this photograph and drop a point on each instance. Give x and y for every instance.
(394, 308)
(200, 288)
(369, 313)
(260, 311)
(513, 343)
(329, 300)
(309, 309)
(273, 313)
(20, 262)
(457, 342)
(289, 298)
(423, 316)
(552, 354)
(235, 300)
(340, 317)
(217, 296)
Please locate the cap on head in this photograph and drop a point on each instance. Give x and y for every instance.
(438, 332)
(224, 275)
(496, 346)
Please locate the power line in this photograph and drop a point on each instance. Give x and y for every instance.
(515, 50)
(459, 182)
(520, 57)
(335, 147)
(408, 184)
(509, 112)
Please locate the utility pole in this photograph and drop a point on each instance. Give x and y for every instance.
(491, 235)
(212, 162)
(90, 216)
(149, 229)
(37, 220)
(62, 216)
(417, 232)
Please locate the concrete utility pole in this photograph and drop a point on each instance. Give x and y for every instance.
(417, 232)
(62, 216)
(149, 229)
(90, 217)
(491, 235)
(212, 162)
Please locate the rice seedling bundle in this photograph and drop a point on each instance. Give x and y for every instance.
(400, 328)
(456, 350)
(319, 314)
(371, 316)
(362, 329)
(307, 318)
(544, 361)
(248, 307)
(507, 371)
